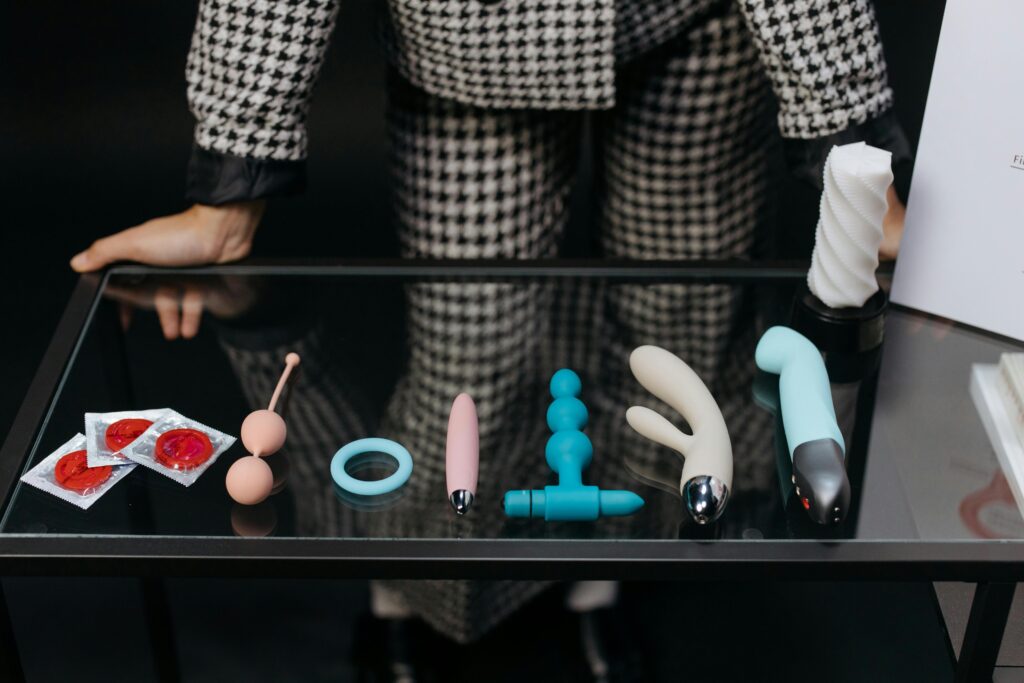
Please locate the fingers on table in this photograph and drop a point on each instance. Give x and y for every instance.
(105, 251)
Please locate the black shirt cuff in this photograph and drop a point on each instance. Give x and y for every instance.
(806, 158)
(215, 178)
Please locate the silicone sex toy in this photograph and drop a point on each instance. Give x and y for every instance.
(707, 470)
(815, 442)
(371, 488)
(250, 480)
(462, 453)
(568, 452)
(849, 232)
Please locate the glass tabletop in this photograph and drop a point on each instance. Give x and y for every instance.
(385, 350)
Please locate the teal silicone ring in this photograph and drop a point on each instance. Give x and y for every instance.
(371, 488)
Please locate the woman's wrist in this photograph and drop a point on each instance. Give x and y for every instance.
(227, 230)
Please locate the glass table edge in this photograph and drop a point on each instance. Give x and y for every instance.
(87, 295)
(509, 558)
(30, 422)
(31, 419)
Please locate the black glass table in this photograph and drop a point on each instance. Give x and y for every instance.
(387, 346)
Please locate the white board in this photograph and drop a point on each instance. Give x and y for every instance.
(962, 255)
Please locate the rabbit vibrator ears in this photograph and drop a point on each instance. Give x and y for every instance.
(707, 471)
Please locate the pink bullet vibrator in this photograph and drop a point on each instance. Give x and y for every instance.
(462, 453)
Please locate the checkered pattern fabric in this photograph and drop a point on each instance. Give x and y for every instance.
(251, 72)
(541, 54)
(253, 63)
(684, 157)
(642, 25)
(690, 128)
(467, 179)
(825, 60)
(475, 182)
(688, 145)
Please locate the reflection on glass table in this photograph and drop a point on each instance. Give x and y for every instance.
(385, 356)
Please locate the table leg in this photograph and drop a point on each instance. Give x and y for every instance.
(10, 660)
(984, 635)
(161, 631)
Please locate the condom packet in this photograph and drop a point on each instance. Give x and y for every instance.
(66, 474)
(107, 434)
(178, 447)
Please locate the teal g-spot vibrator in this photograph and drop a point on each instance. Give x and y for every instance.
(809, 418)
(568, 453)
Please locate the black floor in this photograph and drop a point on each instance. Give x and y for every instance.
(88, 630)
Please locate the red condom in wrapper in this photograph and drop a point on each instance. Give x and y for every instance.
(65, 473)
(183, 449)
(72, 472)
(108, 434)
(123, 432)
(178, 447)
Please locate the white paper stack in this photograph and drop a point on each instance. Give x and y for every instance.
(1011, 385)
(997, 395)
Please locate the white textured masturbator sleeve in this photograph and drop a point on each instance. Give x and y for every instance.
(849, 232)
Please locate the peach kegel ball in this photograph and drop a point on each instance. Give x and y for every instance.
(249, 480)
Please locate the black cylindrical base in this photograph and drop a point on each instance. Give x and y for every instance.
(840, 330)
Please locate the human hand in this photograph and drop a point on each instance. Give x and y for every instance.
(892, 226)
(199, 235)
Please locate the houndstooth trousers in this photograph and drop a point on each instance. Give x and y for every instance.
(682, 174)
(683, 158)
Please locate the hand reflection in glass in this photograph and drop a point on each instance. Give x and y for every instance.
(180, 303)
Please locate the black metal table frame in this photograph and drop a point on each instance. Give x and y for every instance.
(994, 566)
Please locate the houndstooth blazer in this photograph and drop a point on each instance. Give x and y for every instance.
(253, 64)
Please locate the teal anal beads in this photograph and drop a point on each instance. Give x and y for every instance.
(568, 453)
